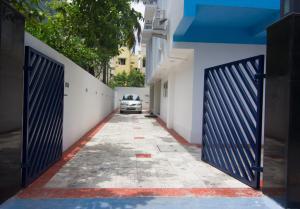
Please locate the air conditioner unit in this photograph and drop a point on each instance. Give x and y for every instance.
(160, 24)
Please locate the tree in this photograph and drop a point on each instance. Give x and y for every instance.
(119, 80)
(135, 78)
(107, 25)
(90, 32)
(56, 31)
(33, 10)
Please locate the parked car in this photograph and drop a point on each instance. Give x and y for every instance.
(131, 103)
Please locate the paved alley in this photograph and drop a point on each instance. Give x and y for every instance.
(133, 151)
(131, 161)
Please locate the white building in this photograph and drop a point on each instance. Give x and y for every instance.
(184, 37)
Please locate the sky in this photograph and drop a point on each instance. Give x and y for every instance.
(140, 8)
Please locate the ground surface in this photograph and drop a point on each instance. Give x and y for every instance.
(145, 203)
(133, 162)
(132, 151)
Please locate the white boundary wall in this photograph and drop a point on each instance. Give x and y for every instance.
(144, 94)
(87, 100)
(176, 108)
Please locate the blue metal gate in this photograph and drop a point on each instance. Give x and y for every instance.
(43, 114)
(232, 118)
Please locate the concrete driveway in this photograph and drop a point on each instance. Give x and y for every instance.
(133, 151)
(131, 161)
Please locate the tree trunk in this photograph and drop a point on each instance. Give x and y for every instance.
(104, 74)
(91, 71)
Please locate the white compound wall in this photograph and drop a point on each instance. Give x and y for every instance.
(87, 100)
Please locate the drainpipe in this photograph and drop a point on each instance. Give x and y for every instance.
(170, 104)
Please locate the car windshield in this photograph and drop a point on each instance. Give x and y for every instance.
(131, 97)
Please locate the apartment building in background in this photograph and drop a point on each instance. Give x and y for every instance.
(126, 61)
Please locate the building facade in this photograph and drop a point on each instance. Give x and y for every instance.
(184, 37)
(126, 61)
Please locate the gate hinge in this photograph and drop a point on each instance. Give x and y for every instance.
(255, 168)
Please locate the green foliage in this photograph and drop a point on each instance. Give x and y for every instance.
(119, 80)
(135, 78)
(89, 32)
(111, 23)
(57, 32)
(31, 9)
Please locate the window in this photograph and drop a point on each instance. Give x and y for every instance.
(131, 97)
(144, 61)
(122, 61)
(165, 92)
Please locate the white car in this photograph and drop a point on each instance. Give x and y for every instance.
(131, 103)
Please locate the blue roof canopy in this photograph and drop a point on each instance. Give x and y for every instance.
(227, 21)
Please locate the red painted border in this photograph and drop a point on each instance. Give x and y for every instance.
(138, 192)
(143, 155)
(139, 137)
(37, 189)
(177, 136)
(67, 156)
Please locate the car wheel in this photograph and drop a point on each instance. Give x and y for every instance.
(140, 112)
(121, 112)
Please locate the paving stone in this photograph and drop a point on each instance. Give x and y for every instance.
(109, 160)
(170, 148)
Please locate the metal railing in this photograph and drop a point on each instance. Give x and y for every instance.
(150, 2)
(160, 22)
(148, 25)
(160, 13)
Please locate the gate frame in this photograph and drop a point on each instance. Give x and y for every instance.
(25, 161)
(260, 81)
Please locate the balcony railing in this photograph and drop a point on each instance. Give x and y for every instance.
(160, 24)
(160, 13)
(148, 25)
(150, 2)
(160, 21)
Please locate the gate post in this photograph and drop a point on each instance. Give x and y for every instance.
(11, 99)
(282, 121)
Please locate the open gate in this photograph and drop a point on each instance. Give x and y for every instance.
(232, 118)
(43, 114)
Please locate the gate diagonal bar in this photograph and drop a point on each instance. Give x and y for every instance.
(232, 118)
(43, 114)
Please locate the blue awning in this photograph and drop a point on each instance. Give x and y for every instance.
(227, 21)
